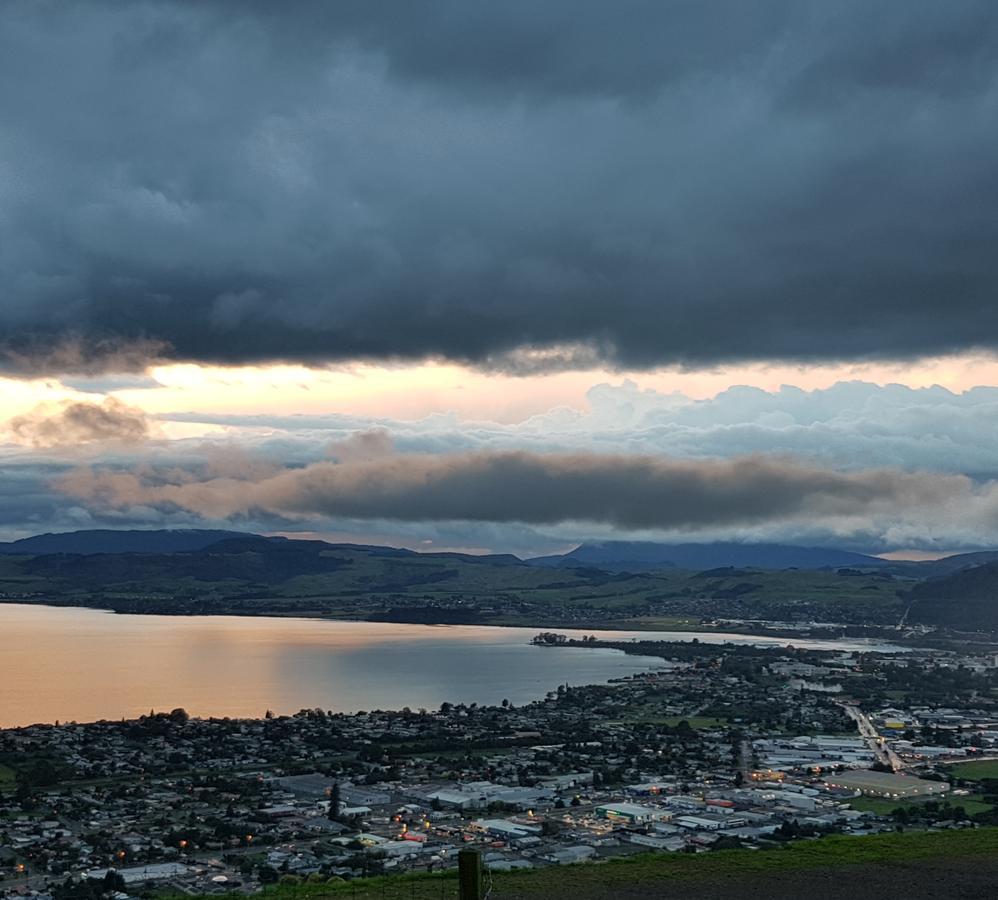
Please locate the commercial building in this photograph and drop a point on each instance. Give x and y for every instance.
(503, 828)
(649, 788)
(569, 855)
(886, 784)
(631, 813)
(700, 823)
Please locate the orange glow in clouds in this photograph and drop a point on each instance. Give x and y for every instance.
(415, 391)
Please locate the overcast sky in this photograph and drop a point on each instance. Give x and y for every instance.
(502, 276)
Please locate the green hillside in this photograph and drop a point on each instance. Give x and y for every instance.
(967, 599)
(910, 865)
(255, 575)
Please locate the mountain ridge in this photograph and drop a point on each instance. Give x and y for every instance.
(248, 574)
(110, 540)
(609, 556)
(646, 556)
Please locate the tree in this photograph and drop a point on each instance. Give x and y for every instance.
(334, 802)
(267, 875)
(113, 882)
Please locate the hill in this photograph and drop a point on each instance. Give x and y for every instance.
(967, 599)
(915, 865)
(254, 575)
(639, 556)
(949, 565)
(112, 541)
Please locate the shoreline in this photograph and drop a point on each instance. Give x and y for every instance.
(818, 632)
(797, 639)
(476, 669)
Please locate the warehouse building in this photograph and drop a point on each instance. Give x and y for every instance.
(886, 784)
(629, 813)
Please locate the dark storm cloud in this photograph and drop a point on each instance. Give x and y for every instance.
(629, 492)
(630, 49)
(515, 185)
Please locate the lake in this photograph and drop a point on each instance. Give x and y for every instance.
(72, 664)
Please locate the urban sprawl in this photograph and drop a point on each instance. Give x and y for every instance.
(723, 746)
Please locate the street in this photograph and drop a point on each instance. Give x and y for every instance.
(883, 751)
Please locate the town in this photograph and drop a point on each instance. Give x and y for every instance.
(723, 746)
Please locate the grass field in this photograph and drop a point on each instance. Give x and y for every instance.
(696, 722)
(648, 873)
(976, 771)
(972, 804)
(664, 623)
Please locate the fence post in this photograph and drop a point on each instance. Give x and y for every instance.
(469, 874)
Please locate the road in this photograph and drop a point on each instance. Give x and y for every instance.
(884, 752)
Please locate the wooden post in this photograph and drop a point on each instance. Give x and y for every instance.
(469, 874)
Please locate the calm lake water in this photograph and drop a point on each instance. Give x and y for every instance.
(84, 664)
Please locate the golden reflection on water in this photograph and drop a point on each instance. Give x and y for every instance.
(72, 664)
(81, 665)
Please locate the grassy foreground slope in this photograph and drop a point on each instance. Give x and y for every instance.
(912, 865)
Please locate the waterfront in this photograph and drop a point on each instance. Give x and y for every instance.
(83, 664)
(590, 772)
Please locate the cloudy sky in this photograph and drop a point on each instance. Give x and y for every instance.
(502, 276)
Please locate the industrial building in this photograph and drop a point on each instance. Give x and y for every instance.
(630, 813)
(886, 784)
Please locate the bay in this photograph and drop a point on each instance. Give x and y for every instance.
(74, 664)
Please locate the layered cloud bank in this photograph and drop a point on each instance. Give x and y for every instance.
(626, 492)
(857, 465)
(517, 185)
(847, 426)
